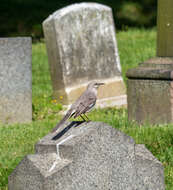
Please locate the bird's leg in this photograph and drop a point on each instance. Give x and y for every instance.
(87, 117)
(82, 118)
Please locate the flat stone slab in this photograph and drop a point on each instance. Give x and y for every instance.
(88, 156)
(158, 68)
(82, 47)
(15, 80)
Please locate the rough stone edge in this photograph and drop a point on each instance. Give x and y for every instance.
(75, 7)
(143, 154)
(66, 150)
(153, 68)
(29, 164)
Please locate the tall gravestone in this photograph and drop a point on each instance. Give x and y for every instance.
(150, 85)
(81, 46)
(90, 156)
(15, 80)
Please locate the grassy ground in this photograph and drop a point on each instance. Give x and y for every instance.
(16, 141)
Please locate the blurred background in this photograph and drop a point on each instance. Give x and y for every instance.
(24, 17)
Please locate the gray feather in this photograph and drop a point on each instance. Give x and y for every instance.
(67, 115)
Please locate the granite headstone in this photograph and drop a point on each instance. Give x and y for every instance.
(89, 156)
(81, 46)
(150, 85)
(15, 80)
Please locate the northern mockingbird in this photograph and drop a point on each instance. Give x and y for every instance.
(83, 104)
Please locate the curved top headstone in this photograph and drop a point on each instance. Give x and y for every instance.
(85, 36)
(78, 7)
(81, 46)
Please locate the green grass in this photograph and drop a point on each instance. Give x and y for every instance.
(16, 141)
(135, 46)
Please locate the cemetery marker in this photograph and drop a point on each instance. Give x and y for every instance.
(150, 85)
(15, 80)
(81, 46)
(90, 156)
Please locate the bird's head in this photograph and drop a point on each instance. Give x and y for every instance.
(94, 85)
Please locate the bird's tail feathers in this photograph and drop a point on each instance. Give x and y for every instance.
(67, 115)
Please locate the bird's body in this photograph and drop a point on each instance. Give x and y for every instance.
(83, 104)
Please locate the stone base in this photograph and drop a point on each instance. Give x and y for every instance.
(117, 101)
(113, 93)
(88, 156)
(150, 92)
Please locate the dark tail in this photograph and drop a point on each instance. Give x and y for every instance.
(67, 115)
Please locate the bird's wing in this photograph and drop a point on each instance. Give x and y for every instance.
(67, 115)
(85, 103)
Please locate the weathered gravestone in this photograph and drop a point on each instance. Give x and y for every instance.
(150, 85)
(81, 46)
(88, 156)
(15, 80)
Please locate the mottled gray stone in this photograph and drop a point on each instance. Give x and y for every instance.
(81, 46)
(149, 173)
(150, 85)
(150, 91)
(89, 156)
(15, 80)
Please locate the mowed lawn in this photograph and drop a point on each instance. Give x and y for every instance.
(16, 141)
